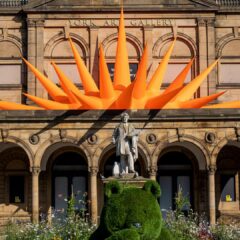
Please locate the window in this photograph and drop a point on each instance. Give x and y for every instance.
(172, 72)
(229, 67)
(10, 74)
(133, 67)
(228, 188)
(16, 189)
(70, 70)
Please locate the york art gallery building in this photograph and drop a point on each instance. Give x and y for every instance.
(47, 155)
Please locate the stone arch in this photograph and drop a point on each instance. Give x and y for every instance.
(181, 37)
(22, 144)
(49, 146)
(230, 140)
(133, 41)
(11, 144)
(223, 42)
(188, 142)
(14, 46)
(80, 42)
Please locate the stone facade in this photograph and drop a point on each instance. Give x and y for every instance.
(32, 141)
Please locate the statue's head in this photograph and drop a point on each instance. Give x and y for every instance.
(124, 117)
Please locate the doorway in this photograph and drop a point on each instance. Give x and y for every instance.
(69, 178)
(175, 174)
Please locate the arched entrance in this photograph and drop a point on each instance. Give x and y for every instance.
(67, 170)
(178, 170)
(227, 180)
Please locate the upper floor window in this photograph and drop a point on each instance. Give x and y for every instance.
(10, 64)
(229, 69)
(180, 57)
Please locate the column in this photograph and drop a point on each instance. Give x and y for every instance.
(35, 55)
(148, 39)
(211, 42)
(202, 50)
(94, 202)
(35, 194)
(40, 92)
(153, 173)
(211, 194)
(31, 53)
(93, 54)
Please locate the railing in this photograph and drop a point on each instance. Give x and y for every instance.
(12, 3)
(228, 3)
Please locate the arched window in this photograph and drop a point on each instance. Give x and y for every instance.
(229, 69)
(11, 71)
(182, 53)
(61, 53)
(133, 56)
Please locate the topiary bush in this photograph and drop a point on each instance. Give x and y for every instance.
(131, 213)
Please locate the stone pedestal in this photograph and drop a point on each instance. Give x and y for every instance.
(128, 179)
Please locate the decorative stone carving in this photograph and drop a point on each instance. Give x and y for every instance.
(237, 131)
(153, 171)
(62, 133)
(92, 139)
(36, 170)
(94, 171)
(151, 138)
(180, 133)
(212, 169)
(201, 22)
(34, 139)
(210, 137)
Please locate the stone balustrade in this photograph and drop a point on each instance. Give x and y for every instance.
(12, 3)
(228, 3)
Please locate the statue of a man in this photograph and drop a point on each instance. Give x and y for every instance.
(125, 136)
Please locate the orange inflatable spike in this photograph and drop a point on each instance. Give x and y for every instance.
(139, 89)
(121, 70)
(66, 84)
(55, 92)
(16, 106)
(232, 104)
(160, 101)
(89, 84)
(187, 92)
(124, 99)
(179, 80)
(157, 78)
(200, 102)
(106, 86)
(52, 105)
(89, 102)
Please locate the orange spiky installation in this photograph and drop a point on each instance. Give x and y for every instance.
(122, 93)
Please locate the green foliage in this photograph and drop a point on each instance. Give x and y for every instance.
(129, 234)
(130, 208)
(152, 187)
(181, 201)
(74, 226)
(113, 187)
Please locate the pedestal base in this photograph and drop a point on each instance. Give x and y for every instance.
(128, 179)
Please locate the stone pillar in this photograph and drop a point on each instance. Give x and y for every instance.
(211, 194)
(94, 202)
(35, 194)
(31, 53)
(35, 54)
(93, 54)
(148, 39)
(211, 52)
(153, 173)
(202, 51)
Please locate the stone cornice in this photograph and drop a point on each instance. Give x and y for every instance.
(193, 115)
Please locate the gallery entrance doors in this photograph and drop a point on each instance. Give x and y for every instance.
(175, 173)
(69, 176)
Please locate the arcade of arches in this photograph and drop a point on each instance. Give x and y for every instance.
(38, 174)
